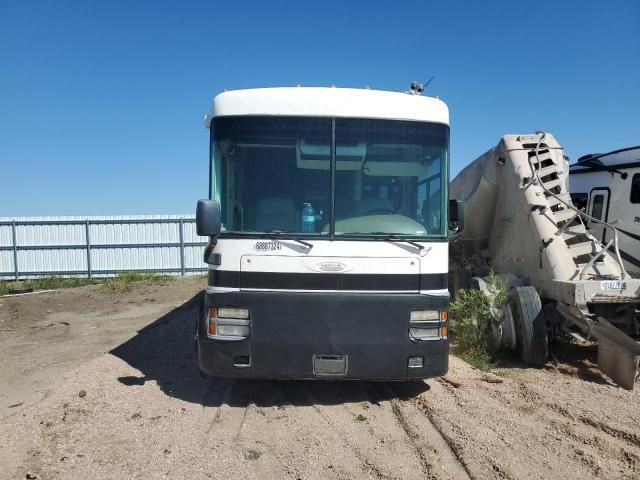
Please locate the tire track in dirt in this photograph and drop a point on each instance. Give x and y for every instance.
(399, 426)
(215, 396)
(438, 442)
(298, 394)
(632, 439)
(420, 439)
(452, 445)
(425, 463)
(590, 444)
(591, 439)
(559, 427)
(235, 404)
(366, 464)
(242, 430)
(368, 467)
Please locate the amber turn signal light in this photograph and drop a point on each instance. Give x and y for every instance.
(211, 321)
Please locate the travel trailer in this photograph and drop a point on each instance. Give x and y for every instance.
(328, 223)
(608, 187)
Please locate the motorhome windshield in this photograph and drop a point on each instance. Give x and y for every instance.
(274, 174)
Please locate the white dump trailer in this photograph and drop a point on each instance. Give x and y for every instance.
(520, 222)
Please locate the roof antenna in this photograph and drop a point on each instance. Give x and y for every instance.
(418, 88)
(427, 84)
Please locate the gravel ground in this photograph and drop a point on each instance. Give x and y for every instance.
(134, 405)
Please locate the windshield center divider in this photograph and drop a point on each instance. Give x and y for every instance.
(332, 196)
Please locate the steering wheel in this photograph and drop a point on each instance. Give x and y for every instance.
(378, 210)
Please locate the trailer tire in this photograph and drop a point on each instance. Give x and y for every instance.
(531, 328)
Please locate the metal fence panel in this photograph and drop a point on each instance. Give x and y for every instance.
(99, 246)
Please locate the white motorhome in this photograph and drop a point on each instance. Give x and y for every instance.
(327, 217)
(608, 187)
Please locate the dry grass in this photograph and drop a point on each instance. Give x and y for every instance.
(121, 283)
(124, 282)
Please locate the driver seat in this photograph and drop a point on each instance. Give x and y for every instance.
(378, 205)
(276, 213)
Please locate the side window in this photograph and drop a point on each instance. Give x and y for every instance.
(635, 189)
(580, 200)
(596, 207)
(429, 198)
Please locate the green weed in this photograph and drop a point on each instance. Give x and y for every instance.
(470, 315)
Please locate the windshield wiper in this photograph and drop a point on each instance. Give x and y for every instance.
(287, 236)
(393, 237)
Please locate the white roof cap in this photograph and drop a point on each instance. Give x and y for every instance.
(618, 158)
(329, 102)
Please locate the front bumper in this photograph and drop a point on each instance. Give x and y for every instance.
(288, 329)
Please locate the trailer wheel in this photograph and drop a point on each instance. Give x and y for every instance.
(530, 325)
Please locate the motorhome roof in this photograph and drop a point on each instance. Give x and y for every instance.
(329, 102)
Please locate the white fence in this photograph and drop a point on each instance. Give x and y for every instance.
(99, 246)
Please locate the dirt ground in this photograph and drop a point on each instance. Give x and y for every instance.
(102, 385)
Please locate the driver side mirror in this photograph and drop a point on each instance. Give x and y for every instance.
(456, 216)
(208, 218)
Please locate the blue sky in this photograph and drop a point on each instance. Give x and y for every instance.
(101, 103)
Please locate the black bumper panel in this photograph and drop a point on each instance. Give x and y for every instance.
(328, 281)
(288, 329)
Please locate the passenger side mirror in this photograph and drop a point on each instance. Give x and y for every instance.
(208, 218)
(456, 216)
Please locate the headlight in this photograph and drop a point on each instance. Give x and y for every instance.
(233, 330)
(427, 325)
(428, 333)
(424, 315)
(233, 312)
(228, 323)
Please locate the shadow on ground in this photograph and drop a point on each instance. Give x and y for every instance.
(577, 359)
(568, 358)
(164, 352)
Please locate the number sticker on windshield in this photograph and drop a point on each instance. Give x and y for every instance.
(270, 246)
